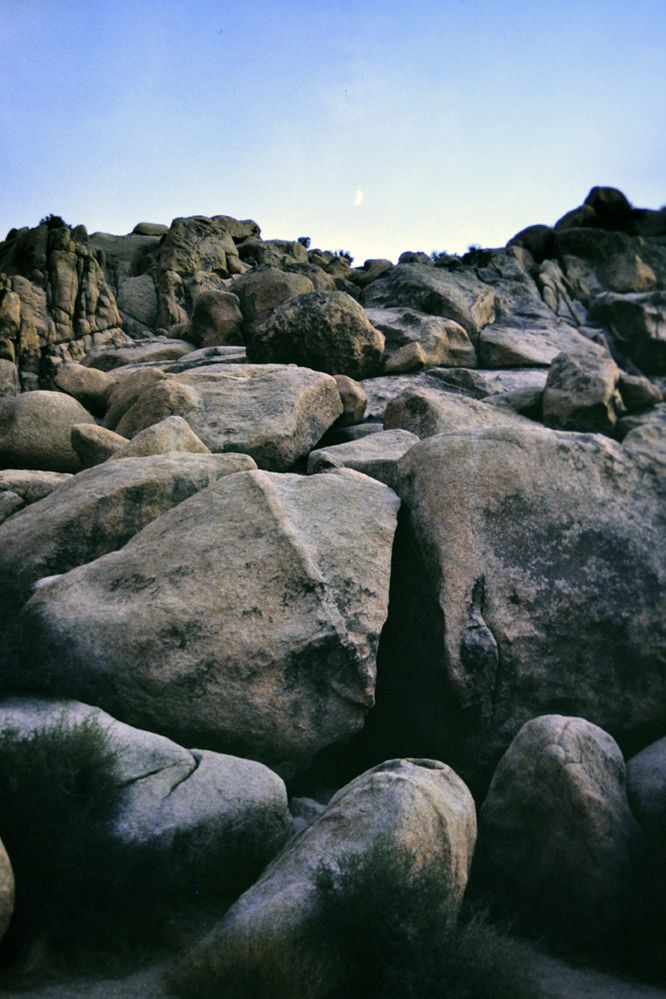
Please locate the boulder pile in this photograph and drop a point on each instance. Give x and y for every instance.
(309, 518)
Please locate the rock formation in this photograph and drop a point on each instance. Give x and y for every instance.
(205, 438)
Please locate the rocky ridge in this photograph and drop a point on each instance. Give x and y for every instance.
(316, 517)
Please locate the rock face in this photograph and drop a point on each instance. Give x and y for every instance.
(98, 512)
(418, 804)
(520, 586)
(35, 431)
(191, 810)
(376, 455)
(557, 841)
(441, 341)
(274, 413)
(582, 392)
(646, 779)
(327, 331)
(246, 619)
(426, 412)
(6, 891)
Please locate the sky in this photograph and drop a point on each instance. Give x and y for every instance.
(373, 127)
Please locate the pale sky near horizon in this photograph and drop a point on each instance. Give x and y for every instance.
(371, 127)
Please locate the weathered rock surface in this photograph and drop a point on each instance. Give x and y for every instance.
(426, 412)
(327, 331)
(354, 401)
(521, 587)
(31, 485)
(420, 805)
(442, 341)
(217, 319)
(95, 512)
(646, 434)
(376, 455)
(261, 291)
(246, 619)
(274, 413)
(157, 348)
(95, 444)
(171, 434)
(582, 393)
(191, 810)
(557, 841)
(88, 386)
(461, 297)
(35, 431)
(6, 890)
(638, 323)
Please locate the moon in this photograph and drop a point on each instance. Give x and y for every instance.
(359, 198)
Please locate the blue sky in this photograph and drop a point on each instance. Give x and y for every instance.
(372, 127)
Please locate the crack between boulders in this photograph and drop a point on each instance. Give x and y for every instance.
(152, 773)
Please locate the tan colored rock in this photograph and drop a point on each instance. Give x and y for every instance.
(426, 412)
(276, 413)
(418, 805)
(327, 331)
(95, 512)
(557, 840)
(9, 380)
(129, 386)
(32, 485)
(217, 319)
(137, 296)
(171, 434)
(95, 444)
(87, 385)
(6, 891)
(259, 292)
(246, 618)
(35, 431)
(582, 393)
(376, 455)
(158, 348)
(455, 295)
(354, 400)
(440, 341)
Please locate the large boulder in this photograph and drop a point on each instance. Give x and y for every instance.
(275, 413)
(157, 348)
(325, 330)
(420, 806)
(89, 386)
(193, 813)
(529, 577)
(557, 841)
(637, 322)
(261, 291)
(426, 412)
(217, 319)
(35, 431)
(457, 295)
(376, 455)
(95, 512)
(245, 620)
(646, 782)
(441, 341)
(582, 392)
(172, 434)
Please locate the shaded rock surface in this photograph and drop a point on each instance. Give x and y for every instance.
(35, 431)
(421, 805)
(192, 810)
(557, 840)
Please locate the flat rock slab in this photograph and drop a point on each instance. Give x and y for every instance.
(507, 344)
(159, 348)
(426, 412)
(275, 413)
(482, 382)
(244, 620)
(376, 455)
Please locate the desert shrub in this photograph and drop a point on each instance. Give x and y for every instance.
(390, 922)
(344, 255)
(58, 787)
(253, 967)
(54, 222)
(304, 241)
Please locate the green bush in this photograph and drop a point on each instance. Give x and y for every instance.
(54, 222)
(389, 920)
(58, 787)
